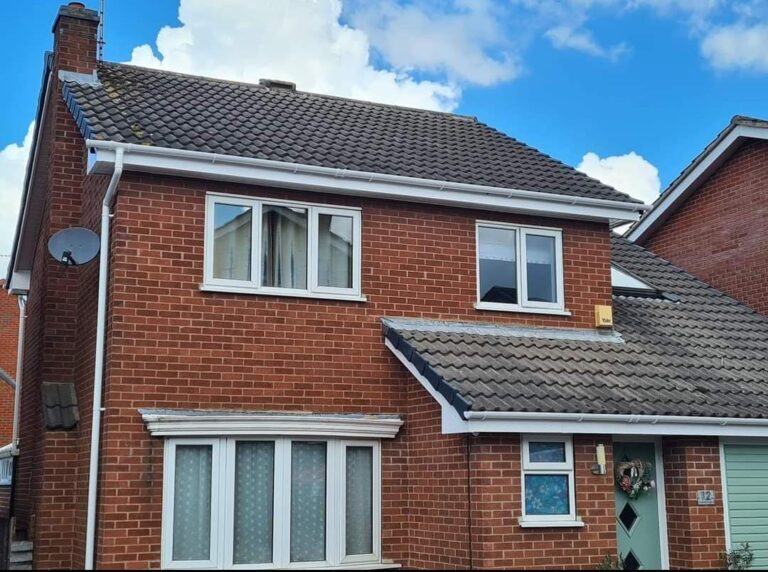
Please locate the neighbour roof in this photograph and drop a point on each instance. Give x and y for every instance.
(700, 169)
(137, 105)
(705, 355)
(60, 406)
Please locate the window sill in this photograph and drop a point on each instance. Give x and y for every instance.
(385, 565)
(519, 309)
(288, 294)
(550, 523)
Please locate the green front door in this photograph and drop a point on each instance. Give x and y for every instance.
(637, 521)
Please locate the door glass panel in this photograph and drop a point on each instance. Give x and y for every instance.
(284, 247)
(308, 493)
(497, 265)
(547, 495)
(231, 242)
(335, 254)
(254, 498)
(359, 500)
(192, 503)
(540, 268)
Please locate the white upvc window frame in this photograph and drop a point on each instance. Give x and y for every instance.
(223, 493)
(523, 304)
(169, 474)
(565, 468)
(253, 286)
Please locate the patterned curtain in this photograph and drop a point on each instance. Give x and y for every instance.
(192, 503)
(359, 500)
(308, 486)
(254, 498)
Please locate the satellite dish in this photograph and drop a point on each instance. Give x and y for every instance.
(74, 246)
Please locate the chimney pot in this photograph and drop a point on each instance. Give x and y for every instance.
(77, 5)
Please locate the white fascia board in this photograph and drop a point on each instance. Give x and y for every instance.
(19, 284)
(212, 166)
(673, 196)
(195, 424)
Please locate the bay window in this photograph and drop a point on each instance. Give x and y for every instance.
(266, 246)
(283, 502)
(519, 268)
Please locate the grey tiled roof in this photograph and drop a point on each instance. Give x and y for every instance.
(150, 107)
(706, 355)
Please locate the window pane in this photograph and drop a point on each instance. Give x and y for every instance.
(192, 503)
(359, 500)
(308, 501)
(231, 242)
(546, 452)
(284, 247)
(335, 251)
(254, 497)
(546, 495)
(540, 267)
(498, 265)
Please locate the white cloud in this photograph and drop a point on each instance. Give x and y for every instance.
(737, 47)
(463, 39)
(13, 165)
(568, 37)
(630, 174)
(301, 41)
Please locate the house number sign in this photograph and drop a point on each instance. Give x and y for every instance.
(705, 497)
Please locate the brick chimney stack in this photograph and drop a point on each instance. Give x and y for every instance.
(75, 32)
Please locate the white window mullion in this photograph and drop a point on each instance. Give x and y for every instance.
(256, 246)
(312, 249)
(334, 518)
(282, 504)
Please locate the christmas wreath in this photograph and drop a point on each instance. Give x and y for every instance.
(634, 478)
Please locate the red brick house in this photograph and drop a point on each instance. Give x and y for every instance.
(713, 219)
(331, 333)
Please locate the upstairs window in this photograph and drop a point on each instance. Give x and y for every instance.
(519, 268)
(282, 248)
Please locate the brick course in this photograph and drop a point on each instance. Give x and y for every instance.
(719, 233)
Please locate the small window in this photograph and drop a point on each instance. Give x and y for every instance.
(548, 480)
(519, 269)
(281, 248)
(271, 503)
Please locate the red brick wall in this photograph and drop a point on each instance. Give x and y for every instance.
(696, 533)
(9, 333)
(718, 234)
(50, 491)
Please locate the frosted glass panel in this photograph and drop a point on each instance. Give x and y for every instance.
(334, 265)
(308, 472)
(254, 498)
(232, 242)
(546, 495)
(359, 500)
(540, 267)
(284, 247)
(192, 503)
(497, 265)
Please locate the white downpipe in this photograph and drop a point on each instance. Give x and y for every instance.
(98, 373)
(19, 376)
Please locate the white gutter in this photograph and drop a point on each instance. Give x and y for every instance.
(214, 166)
(607, 417)
(19, 371)
(98, 374)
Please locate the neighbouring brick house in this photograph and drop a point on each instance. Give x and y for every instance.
(713, 219)
(332, 333)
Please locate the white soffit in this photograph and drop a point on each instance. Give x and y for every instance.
(211, 166)
(699, 171)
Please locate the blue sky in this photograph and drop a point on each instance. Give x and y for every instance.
(647, 82)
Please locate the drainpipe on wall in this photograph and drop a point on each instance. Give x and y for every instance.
(17, 404)
(98, 374)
